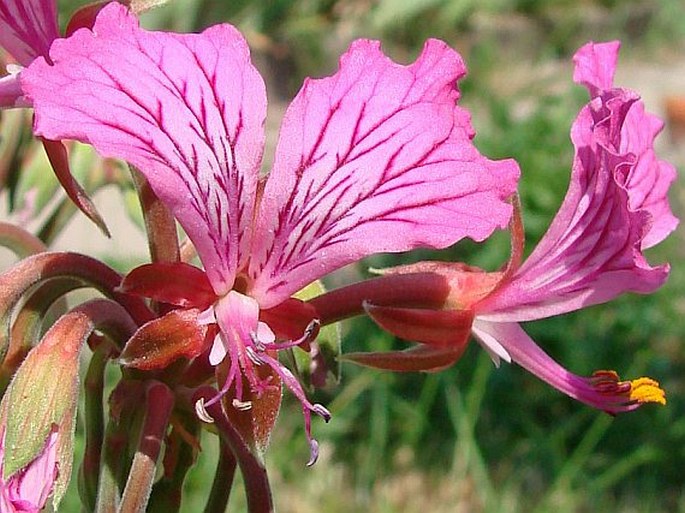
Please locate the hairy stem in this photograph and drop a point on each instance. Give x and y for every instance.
(160, 402)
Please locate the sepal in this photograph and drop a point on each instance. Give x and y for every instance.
(414, 359)
(255, 416)
(159, 342)
(436, 328)
(188, 288)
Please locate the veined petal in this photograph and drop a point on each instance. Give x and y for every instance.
(615, 207)
(187, 110)
(603, 390)
(376, 158)
(648, 181)
(28, 28)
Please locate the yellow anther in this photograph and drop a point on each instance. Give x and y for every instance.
(646, 390)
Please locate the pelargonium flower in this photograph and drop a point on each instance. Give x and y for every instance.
(27, 29)
(376, 158)
(615, 208)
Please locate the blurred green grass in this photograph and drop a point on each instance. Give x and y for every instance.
(476, 438)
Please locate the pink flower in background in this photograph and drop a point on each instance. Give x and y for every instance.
(616, 207)
(376, 158)
(27, 29)
(27, 490)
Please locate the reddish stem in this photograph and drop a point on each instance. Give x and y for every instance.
(416, 290)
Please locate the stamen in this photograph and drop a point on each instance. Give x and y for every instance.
(201, 411)
(14, 69)
(322, 412)
(627, 394)
(242, 405)
(647, 390)
(294, 386)
(309, 335)
(313, 452)
(253, 356)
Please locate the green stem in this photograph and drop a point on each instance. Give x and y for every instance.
(122, 422)
(94, 426)
(223, 480)
(160, 402)
(29, 324)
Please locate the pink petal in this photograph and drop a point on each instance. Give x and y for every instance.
(603, 390)
(28, 490)
(11, 94)
(615, 207)
(28, 28)
(648, 181)
(376, 158)
(187, 110)
(595, 64)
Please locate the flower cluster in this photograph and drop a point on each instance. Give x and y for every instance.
(375, 158)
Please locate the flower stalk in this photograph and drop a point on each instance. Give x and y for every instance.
(159, 404)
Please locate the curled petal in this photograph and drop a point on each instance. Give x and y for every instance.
(28, 28)
(595, 65)
(615, 207)
(648, 181)
(603, 390)
(187, 110)
(376, 158)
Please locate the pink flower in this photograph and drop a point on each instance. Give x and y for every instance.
(27, 490)
(616, 207)
(376, 158)
(27, 29)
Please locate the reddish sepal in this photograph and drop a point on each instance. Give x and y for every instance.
(176, 283)
(290, 319)
(161, 341)
(59, 160)
(437, 328)
(255, 417)
(84, 17)
(418, 358)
